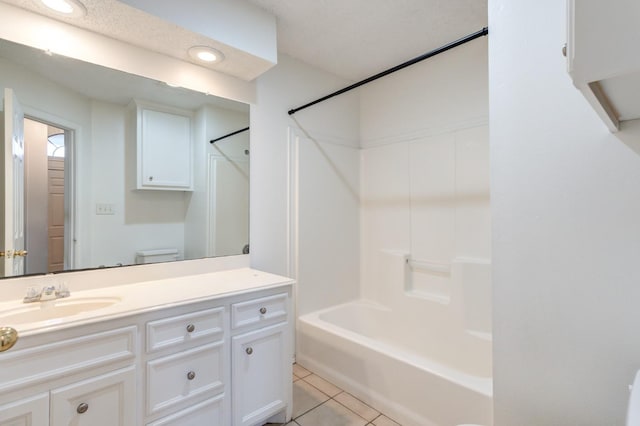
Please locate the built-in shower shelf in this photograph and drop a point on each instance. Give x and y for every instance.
(429, 296)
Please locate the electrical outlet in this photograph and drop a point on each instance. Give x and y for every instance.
(105, 209)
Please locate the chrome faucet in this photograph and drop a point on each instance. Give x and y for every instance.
(48, 292)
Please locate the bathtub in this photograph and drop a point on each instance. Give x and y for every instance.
(427, 376)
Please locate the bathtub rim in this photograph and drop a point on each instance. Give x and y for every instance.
(478, 384)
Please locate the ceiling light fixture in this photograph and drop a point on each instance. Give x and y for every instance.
(206, 54)
(70, 8)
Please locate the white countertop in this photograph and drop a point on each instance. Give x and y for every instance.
(143, 297)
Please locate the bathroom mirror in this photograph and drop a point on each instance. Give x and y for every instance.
(81, 206)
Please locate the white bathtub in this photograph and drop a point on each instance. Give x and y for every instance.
(423, 376)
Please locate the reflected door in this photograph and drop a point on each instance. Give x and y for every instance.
(12, 192)
(56, 215)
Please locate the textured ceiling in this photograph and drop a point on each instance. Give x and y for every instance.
(358, 38)
(350, 38)
(125, 23)
(96, 82)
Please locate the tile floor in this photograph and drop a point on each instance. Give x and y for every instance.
(316, 402)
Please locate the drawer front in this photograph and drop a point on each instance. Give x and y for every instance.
(208, 412)
(47, 362)
(201, 326)
(174, 379)
(259, 312)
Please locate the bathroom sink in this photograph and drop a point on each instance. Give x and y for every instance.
(54, 309)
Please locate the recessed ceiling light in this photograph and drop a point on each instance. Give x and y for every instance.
(70, 8)
(206, 54)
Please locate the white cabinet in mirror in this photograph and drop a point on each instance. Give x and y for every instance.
(83, 210)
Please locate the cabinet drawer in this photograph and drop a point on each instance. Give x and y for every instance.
(208, 412)
(48, 362)
(207, 325)
(177, 378)
(259, 312)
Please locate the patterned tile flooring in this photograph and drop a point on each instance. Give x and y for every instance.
(316, 402)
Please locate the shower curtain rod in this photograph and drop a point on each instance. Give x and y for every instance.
(227, 135)
(463, 40)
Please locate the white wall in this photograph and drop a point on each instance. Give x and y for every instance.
(143, 220)
(566, 233)
(326, 267)
(219, 230)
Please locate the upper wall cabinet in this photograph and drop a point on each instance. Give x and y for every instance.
(603, 59)
(164, 147)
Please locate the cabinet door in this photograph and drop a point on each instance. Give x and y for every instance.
(258, 374)
(165, 151)
(32, 411)
(107, 400)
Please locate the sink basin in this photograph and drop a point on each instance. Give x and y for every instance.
(54, 309)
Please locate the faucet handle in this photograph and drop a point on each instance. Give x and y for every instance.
(48, 293)
(63, 290)
(32, 295)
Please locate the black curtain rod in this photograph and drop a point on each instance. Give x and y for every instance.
(463, 40)
(230, 134)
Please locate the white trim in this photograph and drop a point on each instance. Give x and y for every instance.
(72, 246)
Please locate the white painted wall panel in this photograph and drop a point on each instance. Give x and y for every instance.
(566, 235)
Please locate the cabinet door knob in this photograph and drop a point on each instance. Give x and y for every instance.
(82, 408)
(8, 338)
(249, 350)
(191, 328)
(150, 178)
(263, 310)
(191, 375)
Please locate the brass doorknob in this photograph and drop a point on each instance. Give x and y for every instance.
(8, 338)
(20, 253)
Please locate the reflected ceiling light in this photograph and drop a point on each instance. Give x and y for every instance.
(206, 54)
(70, 8)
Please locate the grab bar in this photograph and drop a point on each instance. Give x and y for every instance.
(427, 266)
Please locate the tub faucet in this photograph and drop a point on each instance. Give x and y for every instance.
(48, 292)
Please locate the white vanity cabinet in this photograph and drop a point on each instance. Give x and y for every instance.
(224, 361)
(261, 370)
(164, 147)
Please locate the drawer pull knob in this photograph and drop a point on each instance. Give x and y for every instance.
(191, 328)
(82, 408)
(263, 310)
(191, 375)
(249, 350)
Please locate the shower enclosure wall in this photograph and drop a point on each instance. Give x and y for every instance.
(408, 329)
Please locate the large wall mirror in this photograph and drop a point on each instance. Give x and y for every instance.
(82, 208)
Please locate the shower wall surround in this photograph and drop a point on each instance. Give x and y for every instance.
(425, 178)
(416, 210)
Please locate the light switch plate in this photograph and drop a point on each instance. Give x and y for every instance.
(105, 209)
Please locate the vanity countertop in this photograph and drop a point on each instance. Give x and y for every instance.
(138, 298)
